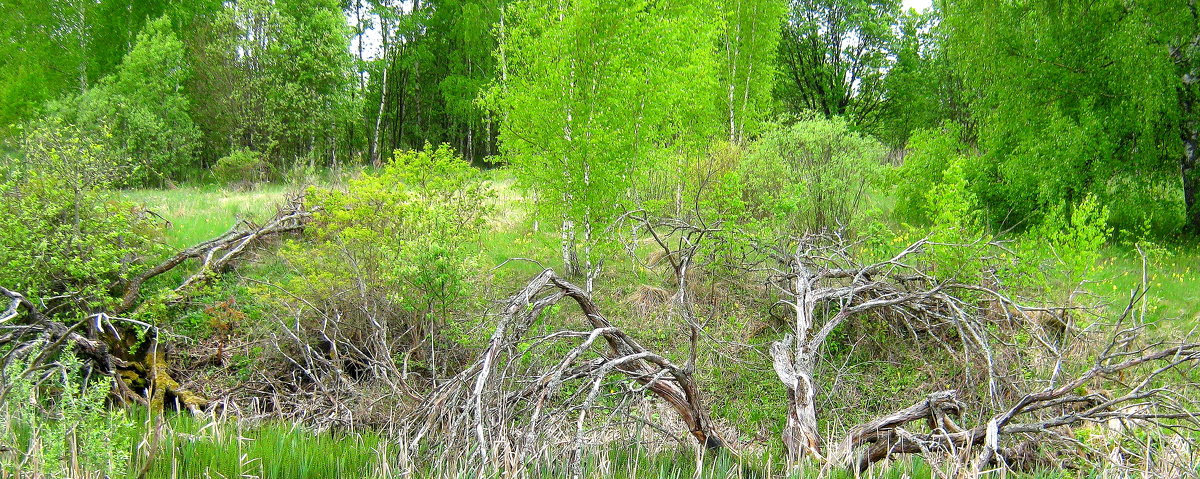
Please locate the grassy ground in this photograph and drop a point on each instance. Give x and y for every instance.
(1172, 278)
(197, 213)
(206, 449)
(191, 448)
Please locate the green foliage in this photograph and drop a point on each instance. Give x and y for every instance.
(444, 52)
(1070, 99)
(1070, 241)
(242, 166)
(64, 233)
(834, 55)
(140, 112)
(930, 152)
(404, 240)
(277, 77)
(810, 175)
(596, 94)
(54, 49)
(747, 43)
(62, 424)
(921, 88)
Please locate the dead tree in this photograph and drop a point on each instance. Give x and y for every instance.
(498, 404)
(125, 349)
(823, 286)
(1138, 403)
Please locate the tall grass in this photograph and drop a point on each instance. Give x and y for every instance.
(193, 448)
(198, 213)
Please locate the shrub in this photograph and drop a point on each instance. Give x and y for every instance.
(930, 152)
(810, 175)
(1068, 242)
(392, 259)
(140, 111)
(65, 235)
(241, 168)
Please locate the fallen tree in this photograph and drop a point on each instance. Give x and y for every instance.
(1141, 404)
(501, 404)
(514, 401)
(126, 349)
(823, 285)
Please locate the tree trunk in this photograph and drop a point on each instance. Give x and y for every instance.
(1189, 132)
(375, 156)
(569, 256)
(795, 369)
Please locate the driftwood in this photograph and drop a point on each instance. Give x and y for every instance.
(822, 286)
(819, 273)
(1043, 412)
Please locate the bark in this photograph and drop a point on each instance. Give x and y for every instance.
(1186, 56)
(498, 403)
(795, 369)
(820, 270)
(1189, 132)
(567, 245)
(383, 93)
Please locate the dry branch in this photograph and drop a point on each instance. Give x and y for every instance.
(107, 339)
(1046, 412)
(499, 402)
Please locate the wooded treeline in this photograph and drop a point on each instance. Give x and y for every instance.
(1052, 101)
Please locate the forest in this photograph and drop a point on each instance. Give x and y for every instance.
(536, 239)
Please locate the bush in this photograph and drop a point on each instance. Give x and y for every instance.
(930, 153)
(241, 168)
(1068, 243)
(393, 259)
(810, 175)
(65, 235)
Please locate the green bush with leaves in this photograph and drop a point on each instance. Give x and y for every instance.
(930, 152)
(810, 175)
(1067, 243)
(66, 235)
(397, 250)
(241, 167)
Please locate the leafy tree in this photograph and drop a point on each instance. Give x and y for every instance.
(920, 87)
(835, 55)
(52, 49)
(281, 74)
(930, 153)
(592, 93)
(747, 43)
(1071, 99)
(144, 104)
(437, 57)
